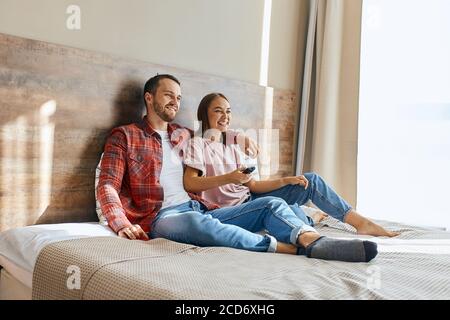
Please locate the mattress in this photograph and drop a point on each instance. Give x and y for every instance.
(18, 273)
(20, 247)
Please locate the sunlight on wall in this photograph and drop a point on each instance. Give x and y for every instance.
(265, 137)
(47, 129)
(27, 153)
(13, 174)
(265, 43)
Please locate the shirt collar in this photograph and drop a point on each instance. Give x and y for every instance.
(145, 125)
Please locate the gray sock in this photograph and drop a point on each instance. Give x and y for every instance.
(342, 250)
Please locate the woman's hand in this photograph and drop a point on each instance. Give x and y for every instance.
(237, 177)
(301, 180)
(134, 232)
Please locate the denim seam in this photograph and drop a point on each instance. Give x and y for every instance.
(159, 235)
(244, 212)
(277, 215)
(329, 202)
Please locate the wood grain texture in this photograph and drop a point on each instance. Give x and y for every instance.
(285, 114)
(57, 106)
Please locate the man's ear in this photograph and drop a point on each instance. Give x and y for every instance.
(148, 98)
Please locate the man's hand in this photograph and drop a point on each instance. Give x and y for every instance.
(301, 180)
(134, 232)
(247, 144)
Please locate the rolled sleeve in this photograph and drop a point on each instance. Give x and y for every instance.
(194, 155)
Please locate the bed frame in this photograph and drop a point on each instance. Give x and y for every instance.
(13, 289)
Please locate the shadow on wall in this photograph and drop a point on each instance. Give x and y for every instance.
(72, 198)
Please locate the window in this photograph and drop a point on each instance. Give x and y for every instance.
(404, 116)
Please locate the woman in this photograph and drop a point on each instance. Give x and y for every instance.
(215, 170)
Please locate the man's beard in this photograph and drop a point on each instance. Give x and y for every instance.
(160, 111)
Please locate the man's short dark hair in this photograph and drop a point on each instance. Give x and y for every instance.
(152, 84)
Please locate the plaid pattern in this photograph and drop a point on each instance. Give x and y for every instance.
(129, 191)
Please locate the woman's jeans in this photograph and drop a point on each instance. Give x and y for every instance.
(322, 195)
(236, 226)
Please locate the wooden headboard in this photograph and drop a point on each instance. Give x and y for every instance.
(57, 106)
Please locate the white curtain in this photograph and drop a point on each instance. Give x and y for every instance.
(328, 124)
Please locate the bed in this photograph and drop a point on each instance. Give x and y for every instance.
(58, 105)
(37, 263)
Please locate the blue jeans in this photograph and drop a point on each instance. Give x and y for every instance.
(322, 195)
(233, 227)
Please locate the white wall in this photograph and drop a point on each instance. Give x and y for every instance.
(221, 37)
(288, 27)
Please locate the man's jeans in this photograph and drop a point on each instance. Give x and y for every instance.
(231, 226)
(322, 195)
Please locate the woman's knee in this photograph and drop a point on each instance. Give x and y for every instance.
(275, 203)
(312, 177)
(267, 199)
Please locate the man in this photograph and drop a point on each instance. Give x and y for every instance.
(141, 193)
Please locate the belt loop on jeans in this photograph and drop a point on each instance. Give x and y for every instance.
(195, 205)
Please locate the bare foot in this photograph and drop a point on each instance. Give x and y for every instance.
(318, 216)
(367, 227)
(370, 228)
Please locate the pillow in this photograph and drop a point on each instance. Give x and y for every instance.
(22, 245)
(101, 218)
